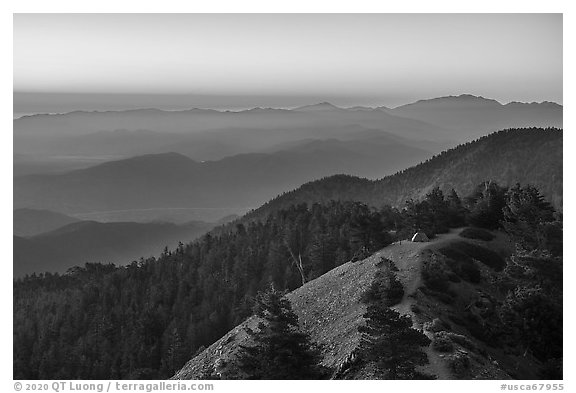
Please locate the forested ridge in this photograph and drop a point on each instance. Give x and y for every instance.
(518, 155)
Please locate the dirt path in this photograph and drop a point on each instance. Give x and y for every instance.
(409, 258)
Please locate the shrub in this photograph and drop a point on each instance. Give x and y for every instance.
(436, 325)
(457, 250)
(435, 275)
(360, 255)
(415, 309)
(459, 363)
(487, 257)
(392, 266)
(442, 342)
(462, 340)
(457, 319)
(477, 233)
(465, 268)
(384, 262)
(478, 331)
(446, 297)
(453, 277)
(472, 325)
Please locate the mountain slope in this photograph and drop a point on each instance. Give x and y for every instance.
(30, 222)
(173, 180)
(329, 308)
(45, 154)
(89, 241)
(528, 156)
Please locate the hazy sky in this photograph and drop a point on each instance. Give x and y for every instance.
(385, 57)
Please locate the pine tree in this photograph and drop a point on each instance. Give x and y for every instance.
(322, 254)
(280, 350)
(439, 210)
(486, 205)
(368, 232)
(456, 210)
(528, 218)
(533, 318)
(385, 287)
(389, 341)
(419, 217)
(175, 353)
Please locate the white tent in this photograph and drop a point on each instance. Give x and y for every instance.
(420, 237)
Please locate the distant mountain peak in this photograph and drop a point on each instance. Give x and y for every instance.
(321, 106)
(145, 110)
(362, 108)
(452, 99)
(471, 99)
(259, 109)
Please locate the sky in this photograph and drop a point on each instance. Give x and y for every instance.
(287, 59)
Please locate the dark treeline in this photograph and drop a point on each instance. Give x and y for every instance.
(145, 320)
(530, 318)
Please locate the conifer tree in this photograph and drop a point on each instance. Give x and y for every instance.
(456, 210)
(385, 288)
(486, 205)
(280, 350)
(389, 341)
(528, 218)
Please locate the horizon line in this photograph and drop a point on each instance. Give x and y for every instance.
(251, 108)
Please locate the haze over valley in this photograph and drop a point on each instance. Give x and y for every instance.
(259, 153)
(205, 165)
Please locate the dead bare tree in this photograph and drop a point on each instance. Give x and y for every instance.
(297, 261)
